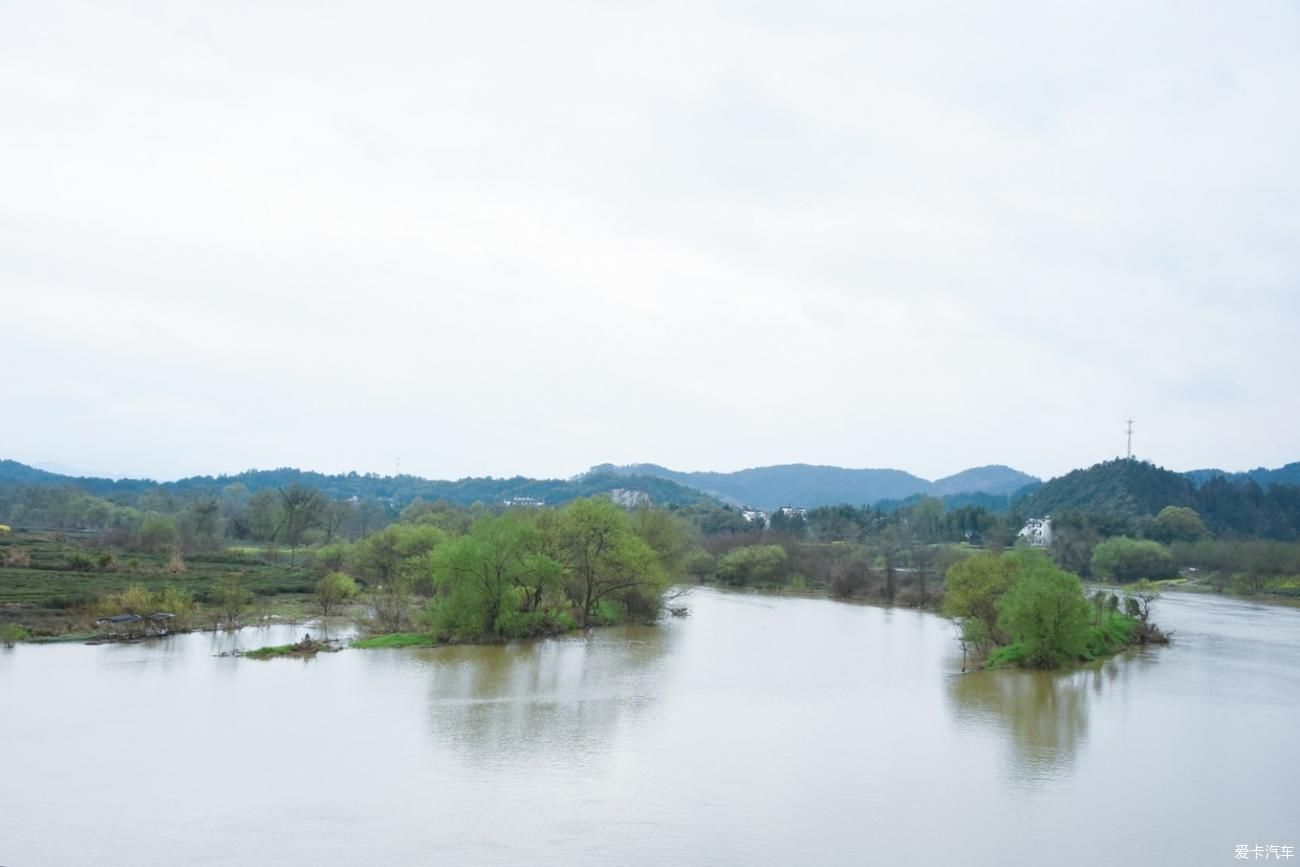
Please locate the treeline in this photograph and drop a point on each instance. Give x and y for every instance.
(396, 490)
(159, 519)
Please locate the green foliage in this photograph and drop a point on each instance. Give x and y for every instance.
(158, 533)
(1178, 524)
(1123, 559)
(754, 565)
(1045, 613)
(138, 599)
(1120, 487)
(605, 560)
(1115, 632)
(12, 633)
(973, 587)
(490, 580)
(333, 590)
(396, 639)
(398, 553)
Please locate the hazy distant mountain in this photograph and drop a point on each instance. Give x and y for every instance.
(806, 485)
(993, 479)
(1262, 476)
(399, 490)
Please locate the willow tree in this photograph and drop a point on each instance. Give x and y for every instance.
(604, 558)
(492, 576)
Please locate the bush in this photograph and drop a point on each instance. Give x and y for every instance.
(12, 633)
(754, 564)
(1123, 559)
(1046, 613)
(333, 590)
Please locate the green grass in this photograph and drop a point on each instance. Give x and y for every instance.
(1008, 655)
(1116, 632)
(396, 639)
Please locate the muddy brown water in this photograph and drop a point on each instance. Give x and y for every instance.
(759, 730)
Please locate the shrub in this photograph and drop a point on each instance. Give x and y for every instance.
(1046, 614)
(1123, 559)
(754, 564)
(12, 633)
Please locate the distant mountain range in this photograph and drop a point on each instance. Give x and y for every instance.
(398, 490)
(1131, 488)
(807, 486)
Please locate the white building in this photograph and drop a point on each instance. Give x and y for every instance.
(1037, 533)
(523, 503)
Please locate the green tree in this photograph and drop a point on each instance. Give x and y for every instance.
(301, 508)
(490, 577)
(333, 590)
(1178, 524)
(397, 552)
(231, 598)
(673, 539)
(1123, 559)
(158, 532)
(754, 564)
(973, 587)
(605, 559)
(1045, 612)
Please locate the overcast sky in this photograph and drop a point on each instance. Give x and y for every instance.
(496, 238)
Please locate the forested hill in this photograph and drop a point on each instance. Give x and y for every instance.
(808, 486)
(1120, 487)
(397, 489)
(1136, 489)
(1262, 476)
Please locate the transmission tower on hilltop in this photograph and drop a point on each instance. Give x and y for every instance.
(1128, 452)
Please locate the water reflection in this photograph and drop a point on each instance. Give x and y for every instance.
(1045, 715)
(543, 701)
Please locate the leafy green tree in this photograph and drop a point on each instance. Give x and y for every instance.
(158, 532)
(231, 598)
(1123, 559)
(974, 586)
(1045, 612)
(397, 552)
(262, 518)
(491, 576)
(334, 590)
(672, 538)
(754, 564)
(1178, 524)
(603, 558)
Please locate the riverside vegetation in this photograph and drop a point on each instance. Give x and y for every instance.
(425, 572)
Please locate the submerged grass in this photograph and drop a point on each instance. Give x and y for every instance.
(396, 639)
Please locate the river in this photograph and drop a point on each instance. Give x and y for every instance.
(759, 730)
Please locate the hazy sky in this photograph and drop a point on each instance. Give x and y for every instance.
(496, 238)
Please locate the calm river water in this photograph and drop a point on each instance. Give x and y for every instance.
(758, 731)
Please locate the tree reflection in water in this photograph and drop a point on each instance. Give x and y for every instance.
(1045, 713)
(550, 701)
